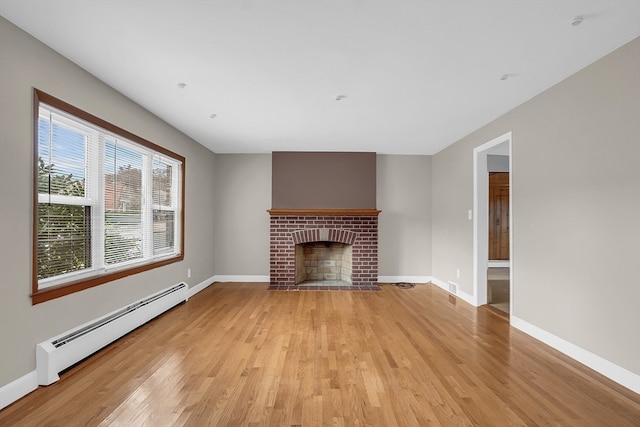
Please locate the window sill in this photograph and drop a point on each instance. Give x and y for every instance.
(57, 291)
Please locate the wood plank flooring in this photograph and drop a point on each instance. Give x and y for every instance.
(239, 355)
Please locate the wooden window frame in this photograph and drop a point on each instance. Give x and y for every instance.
(48, 293)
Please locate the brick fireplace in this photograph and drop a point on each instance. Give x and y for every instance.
(348, 236)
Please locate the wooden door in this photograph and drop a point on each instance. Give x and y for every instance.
(499, 215)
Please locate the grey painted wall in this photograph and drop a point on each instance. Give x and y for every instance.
(576, 208)
(241, 220)
(404, 225)
(26, 63)
(496, 163)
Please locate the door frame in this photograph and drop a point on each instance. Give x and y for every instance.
(481, 217)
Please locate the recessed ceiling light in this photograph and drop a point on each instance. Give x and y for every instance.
(340, 97)
(577, 21)
(182, 85)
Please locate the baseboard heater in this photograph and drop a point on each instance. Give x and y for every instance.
(64, 350)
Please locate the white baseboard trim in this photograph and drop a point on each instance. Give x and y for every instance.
(241, 278)
(460, 294)
(610, 370)
(499, 263)
(404, 279)
(18, 388)
(201, 286)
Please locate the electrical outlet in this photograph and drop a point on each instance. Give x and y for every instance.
(188, 273)
(457, 273)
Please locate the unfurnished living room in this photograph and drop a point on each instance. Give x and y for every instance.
(305, 213)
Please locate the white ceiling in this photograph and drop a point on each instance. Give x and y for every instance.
(417, 75)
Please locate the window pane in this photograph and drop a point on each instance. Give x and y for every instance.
(163, 227)
(122, 237)
(61, 158)
(123, 203)
(64, 243)
(161, 183)
(123, 179)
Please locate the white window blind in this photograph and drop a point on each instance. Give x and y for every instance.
(64, 203)
(105, 203)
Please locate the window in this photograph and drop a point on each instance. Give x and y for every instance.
(108, 203)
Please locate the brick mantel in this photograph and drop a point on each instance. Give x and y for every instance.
(289, 225)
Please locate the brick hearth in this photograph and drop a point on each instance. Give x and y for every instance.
(358, 228)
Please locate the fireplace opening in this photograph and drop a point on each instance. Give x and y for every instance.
(323, 263)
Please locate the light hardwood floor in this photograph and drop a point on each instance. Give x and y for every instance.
(239, 355)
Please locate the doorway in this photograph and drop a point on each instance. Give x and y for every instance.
(498, 291)
(482, 274)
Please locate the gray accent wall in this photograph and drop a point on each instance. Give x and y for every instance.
(576, 208)
(26, 63)
(321, 180)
